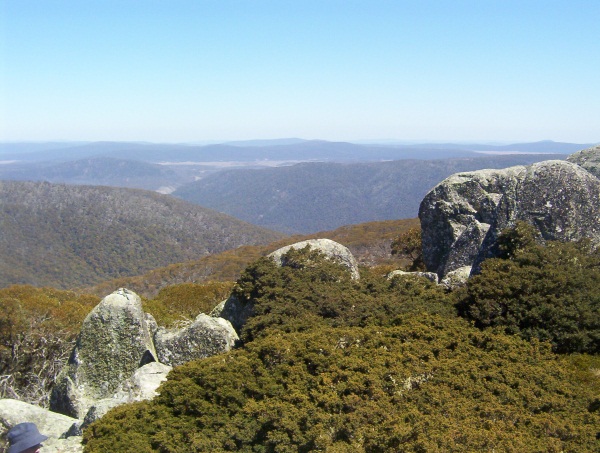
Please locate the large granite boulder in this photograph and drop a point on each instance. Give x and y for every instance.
(462, 216)
(113, 343)
(331, 249)
(587, 158)
(205, 337)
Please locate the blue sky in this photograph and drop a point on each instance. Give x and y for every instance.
(190, 71)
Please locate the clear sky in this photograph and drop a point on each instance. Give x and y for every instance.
(188, 71)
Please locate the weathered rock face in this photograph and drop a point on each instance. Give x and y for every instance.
(234, 311)
(587, 158)
(456, 278)
(462, 216)
(329, 248)
(113, 343)
(205, 337)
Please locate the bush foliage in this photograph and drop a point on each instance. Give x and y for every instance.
(550, 292)
(333, 364)
(185, 301)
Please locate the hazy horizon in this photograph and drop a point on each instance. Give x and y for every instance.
(183, 71)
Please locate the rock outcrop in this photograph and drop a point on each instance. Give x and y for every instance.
(122, 356)
(331, 249)
(113, 343)
(206, 336)
(234, 311)
(587, 158)
(462, 216)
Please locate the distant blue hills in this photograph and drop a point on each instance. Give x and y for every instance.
(292, 149)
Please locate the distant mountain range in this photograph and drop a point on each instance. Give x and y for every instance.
(310, 197)
(69, 236)
(166, 167)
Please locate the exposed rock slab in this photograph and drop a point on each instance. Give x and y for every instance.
(587, 158)
(205, 337)
(331, 249)
(462, 216)
(52, 424)
(431, 276)
(113, 343)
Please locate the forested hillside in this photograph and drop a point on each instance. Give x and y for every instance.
(105, 171)
(311, 197)
(370, 243)
(70, 236)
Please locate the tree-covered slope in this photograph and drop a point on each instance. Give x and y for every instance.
(70, 236)
(370, 243)
(311, 197)
(105, 171)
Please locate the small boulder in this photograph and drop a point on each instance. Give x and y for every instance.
(431, 276)
(142, 386)
(51, 424)
(329, 248)
(456, 278)
(205, 337)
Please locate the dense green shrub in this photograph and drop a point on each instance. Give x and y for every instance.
(408, 244)
(426, 384)
(550, 292)
(313, 291)
(333, 364)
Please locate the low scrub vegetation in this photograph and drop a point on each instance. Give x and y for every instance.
(38, 327)
(333, 364)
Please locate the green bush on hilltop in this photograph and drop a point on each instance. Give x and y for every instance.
(313, 291)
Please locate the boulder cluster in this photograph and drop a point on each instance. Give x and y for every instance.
(120, 356)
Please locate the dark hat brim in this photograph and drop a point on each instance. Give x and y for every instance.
(30, 441)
